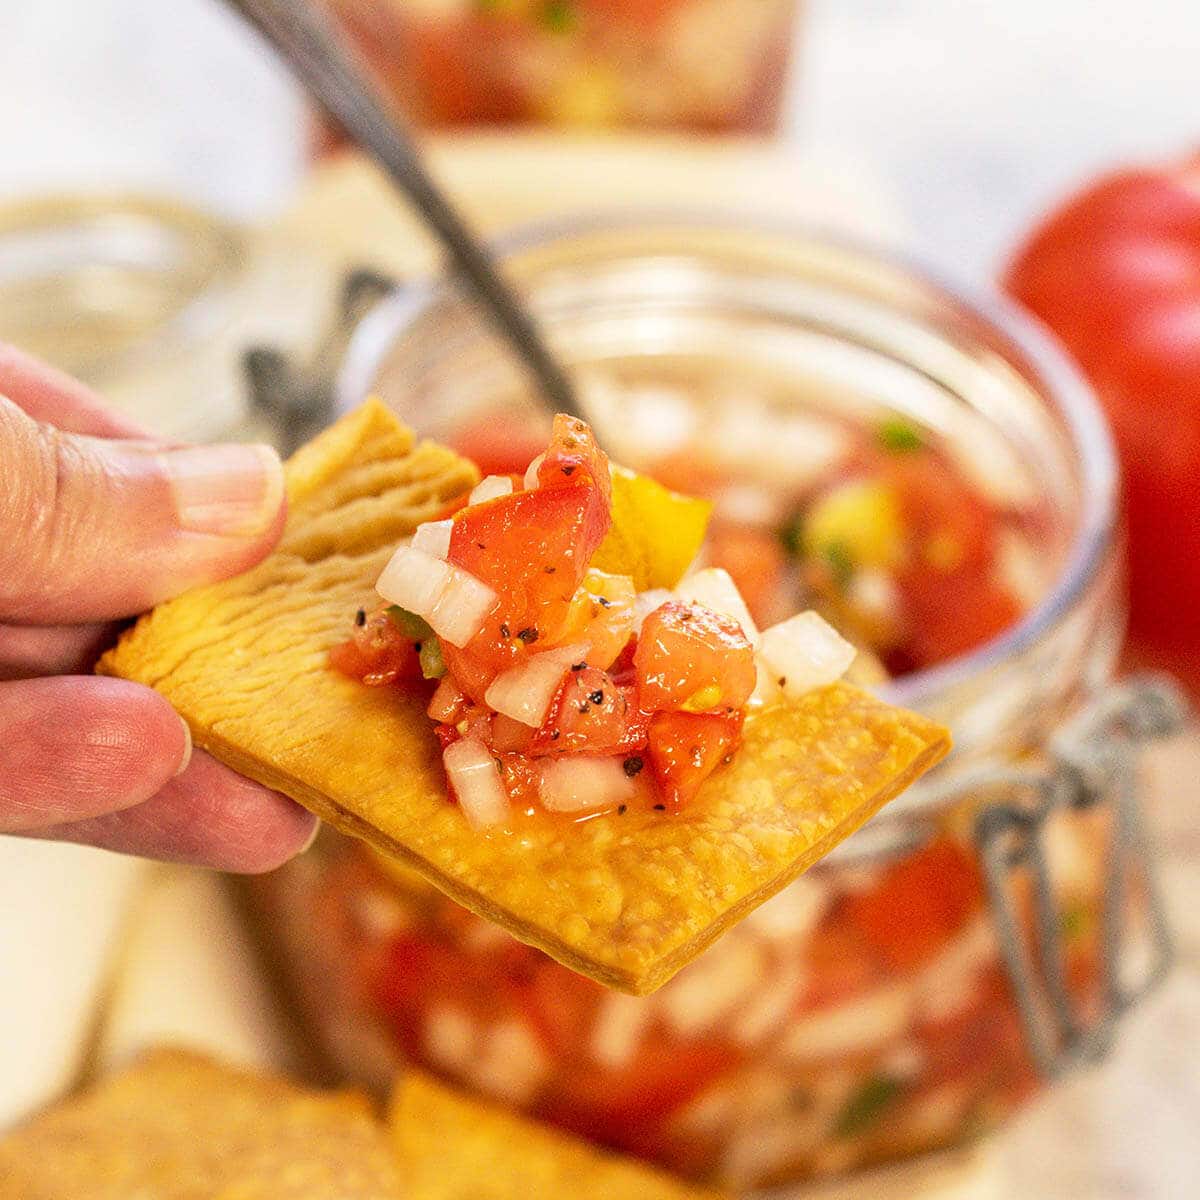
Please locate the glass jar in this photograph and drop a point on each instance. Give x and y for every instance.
(704, 65)
(927, 977)
(152, 302)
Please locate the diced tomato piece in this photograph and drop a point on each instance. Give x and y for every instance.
(446, 735)
(499, 443)
(520, 775)
(589, 713)
(560, 1005)
(755, 560)
(378, 652)
(841, 962)
(623, 1107)
(691, 657)
(686, 748)
(573, 459)
(919, 903)
(532, 548)
(948, 524)
(948, 614)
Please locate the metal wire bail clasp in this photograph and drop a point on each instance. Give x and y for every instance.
(1092, 762)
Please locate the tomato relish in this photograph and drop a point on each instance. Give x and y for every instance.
(559, 686)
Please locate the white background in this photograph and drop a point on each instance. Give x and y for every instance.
(974, 113)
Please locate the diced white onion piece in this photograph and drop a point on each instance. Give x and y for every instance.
(715, 986)
(766, 686)
(524, 692)
(445, 700)
(491, 488)
(454, 602)
(511, 1064)
(862, 1026)
(805, 652)
(714, 588)
(646, 603)
(579, 782)
(473, 774)
(531, 472)
(793, 914)
(433, 537)
(461, 609)
(621, 1023)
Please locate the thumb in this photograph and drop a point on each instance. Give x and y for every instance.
(93, 529)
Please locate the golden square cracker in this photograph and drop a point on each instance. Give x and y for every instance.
(626, 899)
(452, 1147)
(177, 1126)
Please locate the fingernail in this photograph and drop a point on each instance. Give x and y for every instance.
(231, 490)
(187, 749)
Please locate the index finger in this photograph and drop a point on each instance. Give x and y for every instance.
(53, 397)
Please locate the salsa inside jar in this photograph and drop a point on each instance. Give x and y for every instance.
(916, 543)
(706, 65)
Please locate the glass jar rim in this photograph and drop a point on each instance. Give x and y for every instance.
(1059, 381)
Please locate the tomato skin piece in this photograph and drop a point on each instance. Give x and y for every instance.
(946, 522)
(1115, 273)
(687, 651)
(378, 653)
(686, 748)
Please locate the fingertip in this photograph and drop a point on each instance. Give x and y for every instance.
(73, 747)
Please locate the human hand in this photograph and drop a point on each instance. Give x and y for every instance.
(99, 522)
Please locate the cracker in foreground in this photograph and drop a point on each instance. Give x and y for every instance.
(178, 1126)
(627, 899)
(453, 1147)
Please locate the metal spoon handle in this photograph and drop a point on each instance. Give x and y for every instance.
(305, 41)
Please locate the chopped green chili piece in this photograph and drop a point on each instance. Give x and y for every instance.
(898, 436)
(866, 1104)
(430, 655)
(792, 535)
(838, 559)
(558, 16)
(410, 624)
(1074, 921)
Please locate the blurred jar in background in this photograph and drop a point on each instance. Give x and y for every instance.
(866, 1013)
(152, 302)
(704, 65)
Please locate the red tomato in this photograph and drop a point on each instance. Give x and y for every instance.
(1115, 273)
(689, 655)
(590, 714)
(377, 653)
(686, 748)
(919, 903)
